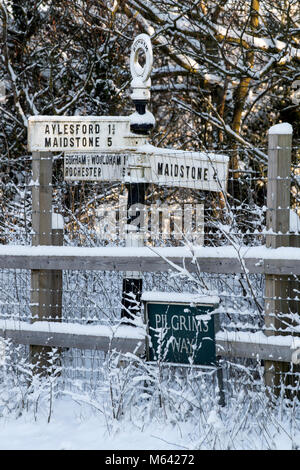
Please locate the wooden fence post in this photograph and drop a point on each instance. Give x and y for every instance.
(56, 275)
(44, 283)
(277, 287)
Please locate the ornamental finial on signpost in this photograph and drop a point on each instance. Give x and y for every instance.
(142, 121)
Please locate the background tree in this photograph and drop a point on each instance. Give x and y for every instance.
(57, 58)
(223, 71)
(223, 77)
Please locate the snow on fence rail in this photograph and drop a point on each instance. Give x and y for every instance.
(222, 260)
(124, 338)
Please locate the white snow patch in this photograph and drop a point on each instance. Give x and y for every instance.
(57, 221)
(294, 221)
(180, 297)
(146, 118)
(283, 128)
(74, 427)
(118, 331)
(258, 338)
(259, 252)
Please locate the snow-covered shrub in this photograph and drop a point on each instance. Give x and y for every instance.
(21, 388)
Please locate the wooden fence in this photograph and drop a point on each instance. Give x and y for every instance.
(223, 260)
(278, 261)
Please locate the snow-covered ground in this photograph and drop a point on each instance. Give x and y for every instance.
(75, 426)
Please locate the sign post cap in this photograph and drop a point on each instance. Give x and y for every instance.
(142, 43)
(142, 121)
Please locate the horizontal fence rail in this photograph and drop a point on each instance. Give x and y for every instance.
(67, 335)
(226, 259)
(258, 346)
(221, 260)
(131, 339)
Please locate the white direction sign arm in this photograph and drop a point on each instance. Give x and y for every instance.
(200, 171)
(81, 133)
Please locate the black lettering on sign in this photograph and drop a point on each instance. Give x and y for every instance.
(160, 169)
(183, 171)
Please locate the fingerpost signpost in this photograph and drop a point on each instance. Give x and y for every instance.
(117, 149)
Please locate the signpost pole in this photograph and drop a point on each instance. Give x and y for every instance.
(132, 282)
(141, 123)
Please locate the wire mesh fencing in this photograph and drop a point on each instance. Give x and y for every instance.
(100, 213)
